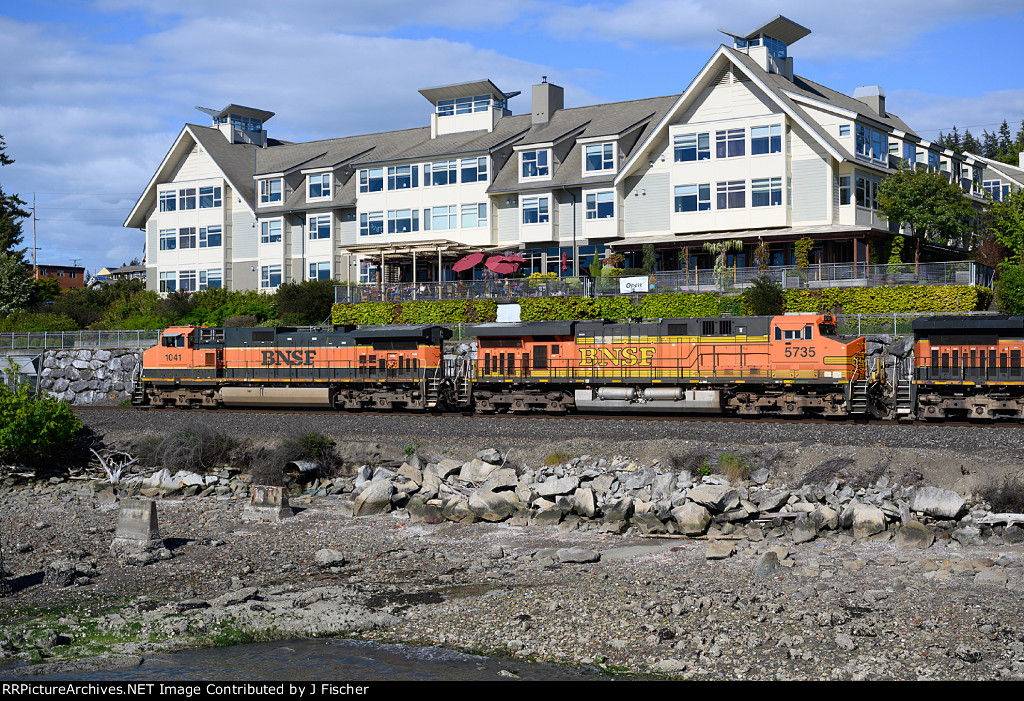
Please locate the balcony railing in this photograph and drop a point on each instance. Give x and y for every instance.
(731, 280)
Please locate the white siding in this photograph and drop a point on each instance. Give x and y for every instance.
(244, 234)
(810, 191)
(508, 222)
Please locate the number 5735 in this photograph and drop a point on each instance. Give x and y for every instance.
(800, 352)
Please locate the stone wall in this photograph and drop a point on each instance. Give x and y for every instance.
(85, 376)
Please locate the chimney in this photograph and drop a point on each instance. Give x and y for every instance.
(873, 96)
(548, 98)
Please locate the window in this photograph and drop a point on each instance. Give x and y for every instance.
(371, 223)
(535, 210)
(371, 180)
(474, 215)
(270, 191)
(693, 198)
(732, 194)
(844, 130)
(600, 157)
(844, 189)
(367, 272)
(871, 143)
(320, 226)
(187, 237)
(320, 271)
(600, 205)
(474, 170)
(766, 139)
(693, 147)
(187, 198)
(776, 48)
(933, 161)
(270, 231)
(270, 276)
(209, 197)
(168, 282)
(402, 221)
(444, 218)
(730, 143)
(403, 177)
(319, 186)
(866, 192)
(765, 192)
(187, 281)
(168, 239)
(209, 236)
(535, 164)
(168, 201)
(440, 173)
(909, 152)
(996, 188)
(463, 105)
(210, 279)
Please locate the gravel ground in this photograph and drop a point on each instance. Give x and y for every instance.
(835, 608)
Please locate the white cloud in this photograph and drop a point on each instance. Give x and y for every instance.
(928, 113)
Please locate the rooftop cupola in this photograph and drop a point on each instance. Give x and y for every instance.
(472, 106)
(769, 44)
(240, 125)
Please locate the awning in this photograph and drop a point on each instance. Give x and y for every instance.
(832, 231)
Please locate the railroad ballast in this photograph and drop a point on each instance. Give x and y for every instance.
(792, 365)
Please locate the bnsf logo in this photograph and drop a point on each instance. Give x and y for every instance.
(619, 357)
(288, 357)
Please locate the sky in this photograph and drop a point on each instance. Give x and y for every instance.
(95, 92)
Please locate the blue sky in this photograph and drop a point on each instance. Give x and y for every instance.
(94, 93)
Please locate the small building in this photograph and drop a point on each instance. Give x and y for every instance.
(70, 277)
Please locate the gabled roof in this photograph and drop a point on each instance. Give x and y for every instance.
(235, 162)
(612, 120)
(1013, 173)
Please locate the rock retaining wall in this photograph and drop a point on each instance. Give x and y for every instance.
(85, 376)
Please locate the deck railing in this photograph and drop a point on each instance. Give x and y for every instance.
(731, 280)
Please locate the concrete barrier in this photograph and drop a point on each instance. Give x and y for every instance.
(137, 528)
(267, 504)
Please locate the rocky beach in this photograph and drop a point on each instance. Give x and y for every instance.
(692, 550)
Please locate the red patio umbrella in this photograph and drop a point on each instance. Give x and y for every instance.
(467, 262)
(499, 265)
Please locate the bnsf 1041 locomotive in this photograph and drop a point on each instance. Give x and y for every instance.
(785, 365)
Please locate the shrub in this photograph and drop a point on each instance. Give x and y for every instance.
(196, 448)
(306, 303)
(235, 322)
(37, 321)
(765, 297)
(734, 467)
(1006, 496)
(1011, 288)
(267, 466)
(33, 426)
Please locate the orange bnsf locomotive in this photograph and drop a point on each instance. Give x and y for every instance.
(344, 368)
(785, 365)
(968, 368)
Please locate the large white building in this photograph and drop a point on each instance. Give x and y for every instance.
(749, 150)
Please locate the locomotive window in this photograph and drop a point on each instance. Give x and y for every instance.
(778, 334)
(554, 350)
(827, 329)
(174, 341)
(808, 332)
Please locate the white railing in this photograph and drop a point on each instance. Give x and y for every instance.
(44, 340)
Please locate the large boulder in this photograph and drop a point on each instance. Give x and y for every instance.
(492, 506)
(867, 521)
(584, 502)
(555, 486)
(915, 534)
(716, 497)
(938, 503)
(374, 499)
(691, 518)
(502, 478)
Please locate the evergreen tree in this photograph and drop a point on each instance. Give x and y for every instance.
(11, 211)
(971, 144)
(1005, 142)
(989, 145)
(953, 141)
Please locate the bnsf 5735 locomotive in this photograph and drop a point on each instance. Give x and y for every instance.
(785, 365)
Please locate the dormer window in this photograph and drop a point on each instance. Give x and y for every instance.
(271, 191)
(319, 186)
(599, 157)
(535, 164)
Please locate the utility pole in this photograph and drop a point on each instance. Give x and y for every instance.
(35, 263)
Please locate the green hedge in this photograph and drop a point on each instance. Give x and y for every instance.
(857, 300)
(889, 300)
(42, 321)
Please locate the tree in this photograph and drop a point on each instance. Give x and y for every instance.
(720, 249)
(934, 209)
(649, 259)
(1006, 221)
(15, 285)
(11, 211)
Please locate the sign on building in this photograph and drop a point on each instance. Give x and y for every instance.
(633, 284)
